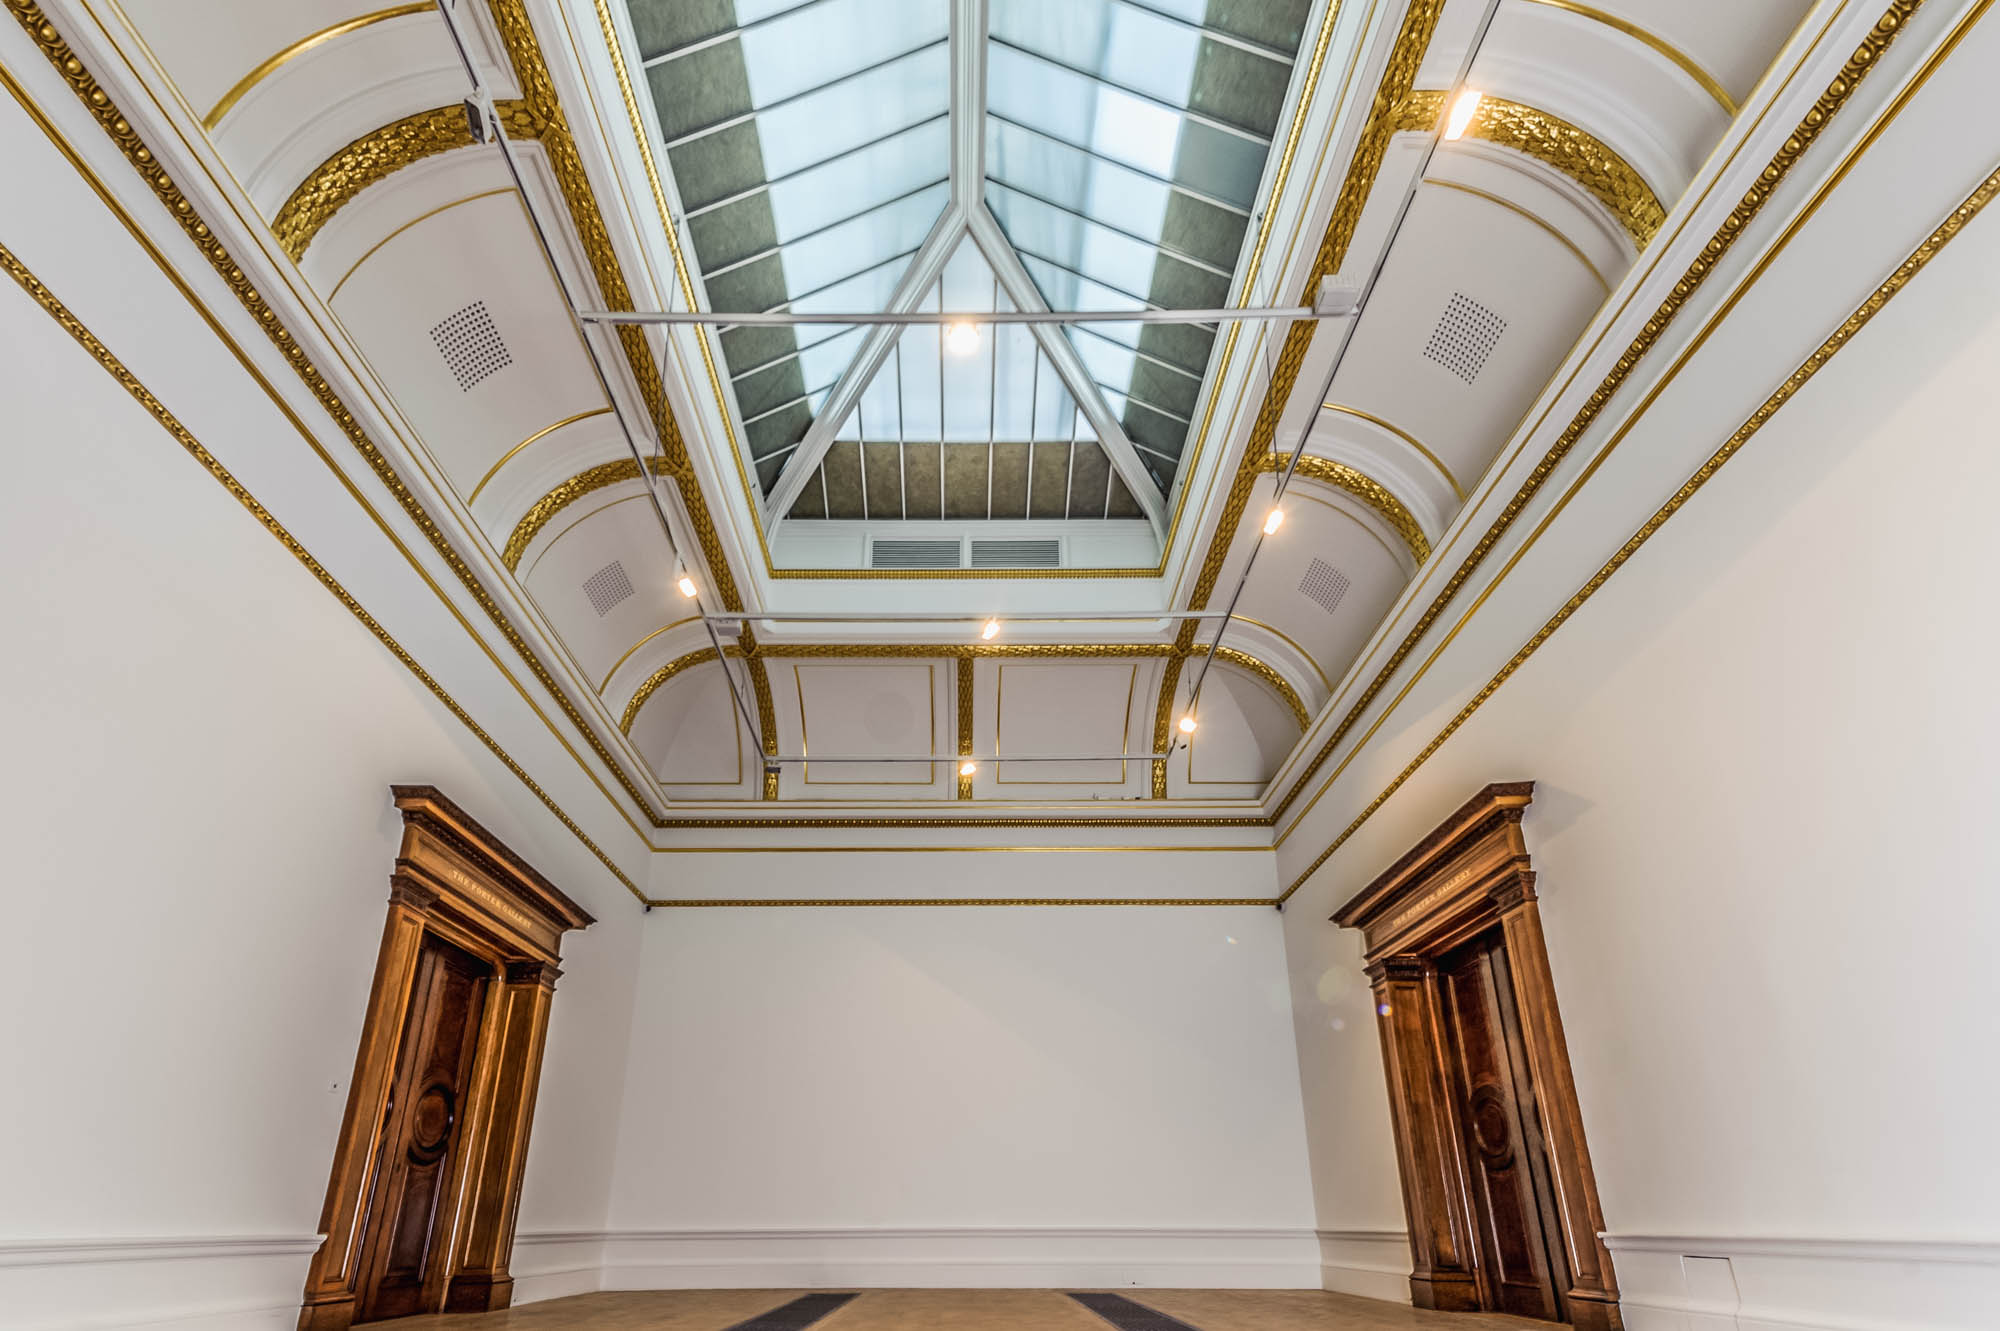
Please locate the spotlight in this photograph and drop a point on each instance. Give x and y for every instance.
(1275, 520)
(686, 584)
(1187, 724)
(991, 631)
(961, 338)
(1463, 108)
(968, 767)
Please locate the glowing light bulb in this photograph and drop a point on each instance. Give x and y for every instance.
(686, 584)
(1463, 108)
(961, 338)
(1275, 520)
(1187, 724)
(968, 767)
(991, 631)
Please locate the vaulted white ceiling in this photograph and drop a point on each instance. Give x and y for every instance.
(339, 130)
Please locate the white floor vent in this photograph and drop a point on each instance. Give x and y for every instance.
(1043, 553)
(914, 554)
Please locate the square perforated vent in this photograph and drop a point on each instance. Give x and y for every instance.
(471, 345)
(1464, 336)
(913, 554)
(1040, 553)
(607, 587)
(1324, 584)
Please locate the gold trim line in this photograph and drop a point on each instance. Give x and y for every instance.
(125, 379)
(1897, 282)
(545, 431)
(1681, 58)
(299, 48)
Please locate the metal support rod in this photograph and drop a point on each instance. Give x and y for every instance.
(920, 617)
(1352, 320)
(934, 758)
(780, 319)
(482, 100)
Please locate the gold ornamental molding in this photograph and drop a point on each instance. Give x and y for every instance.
(515, 451)
(299, 48)
(964, 671)
(1932, 245)
(208, 462)
(1808, 130)
(659, 677)
(377, 155)
(1558, 145)
(1363, 487)
(1242, 660)
(1398, 77)
(118, 128)
(585, 482)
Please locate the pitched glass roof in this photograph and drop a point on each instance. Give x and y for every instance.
(1117, 163)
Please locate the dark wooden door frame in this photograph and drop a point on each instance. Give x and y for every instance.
(456, 881)
(1470, 875)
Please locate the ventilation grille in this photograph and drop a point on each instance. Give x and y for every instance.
(1046, 553)
(471, 345)
(1464, 336)
(607, 587)
(913, 554)
(1324, 584)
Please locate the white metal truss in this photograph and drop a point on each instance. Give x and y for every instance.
(966, 216)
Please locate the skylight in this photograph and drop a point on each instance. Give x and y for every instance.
(967, 156)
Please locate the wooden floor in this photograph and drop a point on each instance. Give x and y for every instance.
(971, 1310)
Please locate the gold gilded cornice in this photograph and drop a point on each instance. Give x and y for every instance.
(964, 672)
(802, 823)
(1946, 231)
(119, 129)
(1557, 144)
(1865, 57)
(555, 501)
(1399, 75)
(1368, 490)
(208, 462)
(1242, 660)
(375, 156)
(660, 677)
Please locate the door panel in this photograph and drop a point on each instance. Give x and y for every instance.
(405, 1236)
(1519, 1271)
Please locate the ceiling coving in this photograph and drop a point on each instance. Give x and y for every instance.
(1096, 487)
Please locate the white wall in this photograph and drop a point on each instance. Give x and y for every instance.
(194, 801)
(1763, 834)
(1104, 1094)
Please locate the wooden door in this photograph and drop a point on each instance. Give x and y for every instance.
(1518, 1255)
(406, 1227)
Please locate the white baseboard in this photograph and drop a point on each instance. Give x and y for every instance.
(179, 1283)
(556, 1265)
(1374, 1263)
(1721, 1283)
(945, 1258)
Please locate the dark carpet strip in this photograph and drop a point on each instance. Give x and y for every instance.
(796, 1315)
(1126, 1315)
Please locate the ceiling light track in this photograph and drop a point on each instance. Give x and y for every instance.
(1347, 306)
(777, 319)
(487, 127)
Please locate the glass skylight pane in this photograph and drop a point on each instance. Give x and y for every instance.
(850, 113)
(827, 193)
(862, 242)
(823, 42)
